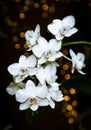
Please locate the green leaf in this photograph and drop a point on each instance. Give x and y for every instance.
(77, 43)
(81, 118)
(83, 115)
(81, 83)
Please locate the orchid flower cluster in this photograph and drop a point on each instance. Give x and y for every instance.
(35, 76)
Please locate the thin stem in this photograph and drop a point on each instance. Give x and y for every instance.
(76, 43)
(67, 58)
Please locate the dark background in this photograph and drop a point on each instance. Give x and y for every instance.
(10, 117)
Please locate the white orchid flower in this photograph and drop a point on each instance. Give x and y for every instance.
(54, 94)
(63, 28)
(47, 74)
(24, 68)
(77, 61)
(47, 51)
(32, 96)
(32, 37)
(13, 87)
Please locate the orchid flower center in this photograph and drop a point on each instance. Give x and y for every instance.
(24, 71)
(48, 53)
(33, 100)
(64, 29)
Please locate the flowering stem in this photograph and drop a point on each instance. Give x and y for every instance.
(76, 43)
(67, 58)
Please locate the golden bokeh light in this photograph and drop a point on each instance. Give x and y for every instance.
(25, 8)
(65, 52)
(74, 113)
(69, 107)
(17, 46)
(22, 34)
(62, 72)
(65, 91)
(9, 22)
(25, 45)
(15, 38)
(26, 53)
(66, 98)
(15, 24)
(67, 76)
(74, 103)
(72, 91)
(65, 67)
(21, 15)
(51, 10)
(36, 5)
(71, 120)
(45, 7)
(44, 15)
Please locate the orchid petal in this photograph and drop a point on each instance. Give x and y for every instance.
(31, 61)
(40, 47)
(10, 89)
(40, 75)
(30, 85)
(32, 71)
(37, 29)
(71, 31)
(69, 21)
(51, 68)
(54, 45)
(51, 102)
(59, 36)
(41, 91)
(14, 69)
(53, 29)
(22, 60)
(43, 102)
(42, 59)
(20, 78)
(55, 56)
(24, 106)
(34, 107)
(81, 72)
(57, 96)
(21, 95)
(28, 35)
(80, 57)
